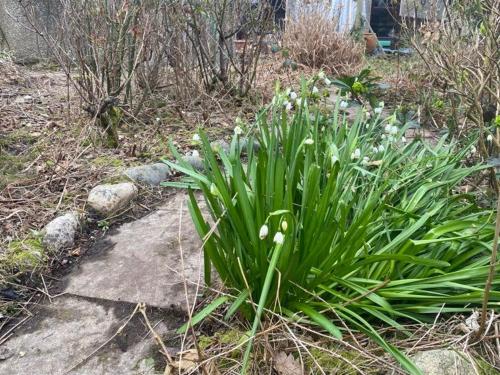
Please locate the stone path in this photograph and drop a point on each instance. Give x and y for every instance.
(138, 262)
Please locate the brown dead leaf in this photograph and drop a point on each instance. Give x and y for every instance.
(75, 252)
(190, 355)
(187, 361)
(287, 365)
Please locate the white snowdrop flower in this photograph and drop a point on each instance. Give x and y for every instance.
(394, 130)
(309, 141)
(321, 75)
(158, 119)
(489, 138)
(381, 105)
(289, 106)
(238, 130)
(327, 81)
(315, 90)
(279, 238)
(195, 154)
(390, 138)
(374, 149)
(383, 136)
(344, 104)
(368, 115)
(214, 190)
(356, 154)
(334, 159)
(263, 232)
(377, 110)
(285, 103)
(196, 138)
(403, 139)
(293, 95)
(365, 160)
(284, 225)
(388, 128)
(381, 148)
(473, 150)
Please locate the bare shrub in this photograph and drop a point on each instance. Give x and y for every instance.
(462, 54)
(106, 44)
(213, 26)
(314, 40)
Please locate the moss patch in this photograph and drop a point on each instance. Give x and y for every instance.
(107, 161)
(24, 255)
(333, 364)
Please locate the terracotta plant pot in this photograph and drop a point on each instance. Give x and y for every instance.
(371, 42)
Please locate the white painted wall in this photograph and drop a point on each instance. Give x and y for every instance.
(344, 10)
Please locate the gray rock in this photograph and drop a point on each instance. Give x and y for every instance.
(60, 232)
(151, 174)
(220, 144)
(108, 199)
(141, 261)
(195, 160)
(443, 362)
(244, 144)
(67, 333)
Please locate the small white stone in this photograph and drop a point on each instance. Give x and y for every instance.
(60, 232)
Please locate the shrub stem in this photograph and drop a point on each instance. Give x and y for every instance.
(491, 273)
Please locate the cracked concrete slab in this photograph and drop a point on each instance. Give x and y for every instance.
(151, 260)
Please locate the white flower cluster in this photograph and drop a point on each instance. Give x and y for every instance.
(322, 76)
(356, 154)
(292, 99)
(472, 151)
(379, 108)
(279, 237)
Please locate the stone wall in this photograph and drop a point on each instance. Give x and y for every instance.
(18, 35)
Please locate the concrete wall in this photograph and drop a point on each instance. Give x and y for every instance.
(18, 35)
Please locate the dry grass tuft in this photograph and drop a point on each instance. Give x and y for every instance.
(314, 40)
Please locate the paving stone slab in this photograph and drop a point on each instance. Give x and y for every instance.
(68, 331)
(141, 261)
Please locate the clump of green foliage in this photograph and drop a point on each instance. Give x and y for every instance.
(360, 87)
(24, 255)
(334, 221)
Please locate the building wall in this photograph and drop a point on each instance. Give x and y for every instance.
(343, 10)
(422, 9)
